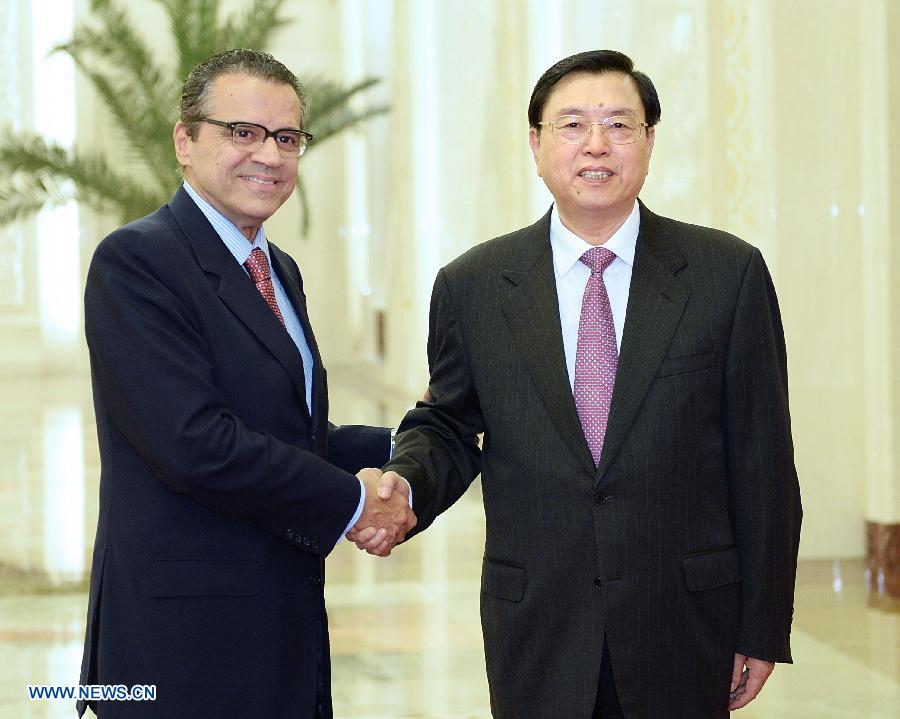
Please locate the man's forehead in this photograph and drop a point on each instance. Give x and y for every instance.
(578, 89)
(243, 89)
(237, 84)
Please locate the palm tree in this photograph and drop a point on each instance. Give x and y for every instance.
(141, 95)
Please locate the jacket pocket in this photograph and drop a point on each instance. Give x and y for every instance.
(686, 364)
(712, 569)
(204, 578)
(503, 580)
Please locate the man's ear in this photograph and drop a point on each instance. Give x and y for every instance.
(182, 144)
(651, 139)
(534, 140)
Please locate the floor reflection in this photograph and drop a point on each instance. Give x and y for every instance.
(406, 639)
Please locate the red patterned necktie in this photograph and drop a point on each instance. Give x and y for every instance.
(257, 265)
(597, 355)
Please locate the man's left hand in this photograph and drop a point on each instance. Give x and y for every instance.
(747, 678)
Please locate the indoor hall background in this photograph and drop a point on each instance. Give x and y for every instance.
(778, 125)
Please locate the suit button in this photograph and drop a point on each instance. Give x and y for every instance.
(315, 437)
(597, 583)
(603, 498)
(315, 581)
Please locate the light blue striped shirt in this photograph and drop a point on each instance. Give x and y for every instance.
(240, 248)
(238, 245)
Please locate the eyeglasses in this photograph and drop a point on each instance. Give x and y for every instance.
(575, 129)
(249, 136)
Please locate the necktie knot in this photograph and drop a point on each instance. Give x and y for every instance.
(598, 259)
(257, 265)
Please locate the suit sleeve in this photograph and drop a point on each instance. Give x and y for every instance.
(154, 382)
(353, 447)
(436, 444)
(764, 490)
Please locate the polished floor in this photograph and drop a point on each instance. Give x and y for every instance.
(405, 633)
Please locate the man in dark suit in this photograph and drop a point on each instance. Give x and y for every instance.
(223, 485)
(628, 372)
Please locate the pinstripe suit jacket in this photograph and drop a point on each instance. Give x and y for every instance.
(680, 548)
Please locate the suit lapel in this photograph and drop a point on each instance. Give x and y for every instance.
(235, 288)
(293, 286)
(531, 307)
(656, 301)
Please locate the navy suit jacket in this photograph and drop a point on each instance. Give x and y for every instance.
(220, 496)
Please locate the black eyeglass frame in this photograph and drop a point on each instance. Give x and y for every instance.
(268, 133)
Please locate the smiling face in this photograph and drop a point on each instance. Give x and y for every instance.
(594, 184)
(245, 185)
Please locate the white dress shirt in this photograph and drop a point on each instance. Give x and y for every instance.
(572, 277)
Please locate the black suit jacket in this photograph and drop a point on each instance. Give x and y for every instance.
(680, 548)
(219, 495)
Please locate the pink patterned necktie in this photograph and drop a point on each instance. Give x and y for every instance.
(597, 355)
(257, 265)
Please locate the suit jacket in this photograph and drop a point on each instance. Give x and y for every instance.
(219, 494)
(680, 548)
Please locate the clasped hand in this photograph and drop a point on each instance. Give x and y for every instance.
(386, 517)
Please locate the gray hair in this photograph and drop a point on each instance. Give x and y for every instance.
(196, 102)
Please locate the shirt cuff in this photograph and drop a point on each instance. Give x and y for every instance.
(357, 513)
(409, 486)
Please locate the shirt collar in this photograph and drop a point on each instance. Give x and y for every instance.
(233, 238)
(568, 247)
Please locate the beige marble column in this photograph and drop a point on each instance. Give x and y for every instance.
(879, 72)
(791, 184)
(458, 167)
(407, 304)
(20, 351)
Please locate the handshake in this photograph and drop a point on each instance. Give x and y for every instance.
(386, 516)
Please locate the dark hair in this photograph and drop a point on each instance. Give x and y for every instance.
(593, 61)
(195, 95)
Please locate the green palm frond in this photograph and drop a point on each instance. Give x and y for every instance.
(58, 174)
(344, 118)
(141, 93)
(326, 95)
(255, 27)
(194, 29)
(143, 132)
(331, 109)
(198, 33)
(28, 195)
(118, 44)
(329, 113)
(137, 93)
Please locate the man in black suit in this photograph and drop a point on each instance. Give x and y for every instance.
(223, 485)
(629, 374)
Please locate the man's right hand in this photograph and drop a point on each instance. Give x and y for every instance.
(386, 517)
